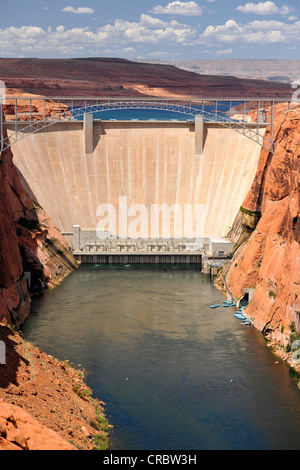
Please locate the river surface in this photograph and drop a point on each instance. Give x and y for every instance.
(174, 374)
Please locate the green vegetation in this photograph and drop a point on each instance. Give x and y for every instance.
(272, 294)
(249, 212)
(294, 336)
(100, 423)
(101, 442)
(83, 393)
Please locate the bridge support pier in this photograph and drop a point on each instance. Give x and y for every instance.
(88, 133)
(199, 135)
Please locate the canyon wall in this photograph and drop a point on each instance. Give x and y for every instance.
(30, 243)
(267, 235)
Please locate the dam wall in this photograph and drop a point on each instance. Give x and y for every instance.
(148, 162)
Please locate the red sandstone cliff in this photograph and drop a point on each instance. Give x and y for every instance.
(29, 242)
(19, 431)
(267, 233)
(38, 109)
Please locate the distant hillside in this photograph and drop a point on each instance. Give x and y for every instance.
(120, 77)
(285, 71)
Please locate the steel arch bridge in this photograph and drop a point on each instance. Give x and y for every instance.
(36, 122)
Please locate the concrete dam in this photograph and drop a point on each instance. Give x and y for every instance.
(73, 167)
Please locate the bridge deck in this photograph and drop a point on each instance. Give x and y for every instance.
(39, 113)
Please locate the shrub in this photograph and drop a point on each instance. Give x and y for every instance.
(288, 348)
(83, 393)
(100, 439)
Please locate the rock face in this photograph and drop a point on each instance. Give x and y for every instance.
(37, 110)
(30, 243)
(44, 403)
(267, 233)
(19, 431)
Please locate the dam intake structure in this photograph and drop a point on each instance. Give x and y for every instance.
(73, 164)
(90, 247)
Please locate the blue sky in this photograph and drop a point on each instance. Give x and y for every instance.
(151, 29)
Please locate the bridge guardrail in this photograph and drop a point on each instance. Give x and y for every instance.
(30, 115)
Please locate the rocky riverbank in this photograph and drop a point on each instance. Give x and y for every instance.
(44, 403)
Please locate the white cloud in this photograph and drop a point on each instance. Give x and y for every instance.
(261, 32)
(121, 35)
(148, 32)
(264, 8)
(159, 54)
(224, 52)
(178, 8)
(149, 21)
(79, 10)
(125, 50)
(286, 10)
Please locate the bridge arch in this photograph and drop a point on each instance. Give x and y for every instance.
(92, 106)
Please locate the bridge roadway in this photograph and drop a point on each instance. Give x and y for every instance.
(35, 111)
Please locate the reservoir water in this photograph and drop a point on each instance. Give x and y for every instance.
(222, 111)
(174, 374)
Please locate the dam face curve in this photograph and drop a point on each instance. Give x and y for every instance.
(148, 162)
